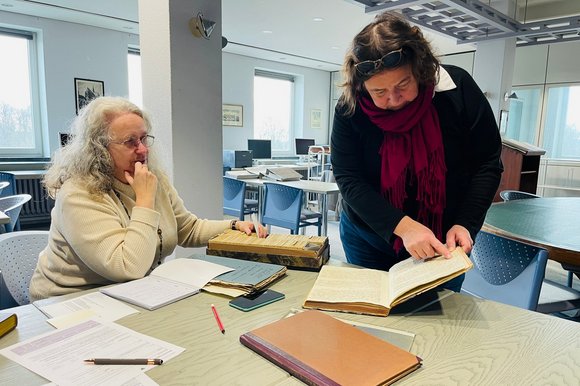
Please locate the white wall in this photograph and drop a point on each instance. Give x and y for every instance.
(71, 51)
(238, 89)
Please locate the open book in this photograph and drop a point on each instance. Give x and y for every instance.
(374, 292)
(168, 283)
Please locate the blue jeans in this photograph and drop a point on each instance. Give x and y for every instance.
(367, 249)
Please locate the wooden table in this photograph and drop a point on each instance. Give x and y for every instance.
(549, 222)
(462, 340)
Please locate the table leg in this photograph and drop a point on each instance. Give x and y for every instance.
(324, 210)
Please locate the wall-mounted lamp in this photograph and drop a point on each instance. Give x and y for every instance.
(509, 96)
(201, 27)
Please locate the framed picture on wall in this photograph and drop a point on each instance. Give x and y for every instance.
(232, 115)
(86, 90)
(315, 119)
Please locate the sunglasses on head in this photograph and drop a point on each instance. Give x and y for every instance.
(390, 60)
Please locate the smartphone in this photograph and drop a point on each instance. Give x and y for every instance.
(254, 300)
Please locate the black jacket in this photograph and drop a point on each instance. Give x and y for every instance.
(472, 146)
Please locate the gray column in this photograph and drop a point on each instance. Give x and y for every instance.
(182, 90)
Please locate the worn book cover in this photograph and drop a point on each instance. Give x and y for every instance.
(375, 292)
(321, 350)
(8, 322)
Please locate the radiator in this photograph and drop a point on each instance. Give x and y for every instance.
(37, 210)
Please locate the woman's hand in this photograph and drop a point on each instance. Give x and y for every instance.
(459, 236)
(247, 227)
(144, 183)
(419, 240)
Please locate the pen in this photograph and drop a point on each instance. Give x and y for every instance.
(218, 320)
(110, 361)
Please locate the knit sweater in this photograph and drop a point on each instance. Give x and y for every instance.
(95, 241)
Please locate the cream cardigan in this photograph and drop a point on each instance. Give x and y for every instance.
(93, 241)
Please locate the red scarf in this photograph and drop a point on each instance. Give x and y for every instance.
(412, 146)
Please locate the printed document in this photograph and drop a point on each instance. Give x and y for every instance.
(59, 355)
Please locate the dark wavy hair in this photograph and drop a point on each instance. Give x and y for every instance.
(388, 32)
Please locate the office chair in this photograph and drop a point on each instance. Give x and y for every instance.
(235, 202)
(12, 205)
(3, 184)
(506, 271)
(508, 195)
(10, 189)
(283, 208)
(18, 256)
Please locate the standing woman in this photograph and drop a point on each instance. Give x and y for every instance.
(116, 216)
(415, 150)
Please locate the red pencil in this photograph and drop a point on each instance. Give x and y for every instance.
(218, 320)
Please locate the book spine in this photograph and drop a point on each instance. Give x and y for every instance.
(294, 366)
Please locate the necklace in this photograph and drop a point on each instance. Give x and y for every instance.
(159, 231)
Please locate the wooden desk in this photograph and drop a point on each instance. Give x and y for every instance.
(310, 186)
(462, 340)
(4, 219)
(548, 222)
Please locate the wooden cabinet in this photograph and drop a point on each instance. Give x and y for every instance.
(521, 164)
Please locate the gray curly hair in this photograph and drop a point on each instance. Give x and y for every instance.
(388, 32)
(85, 158)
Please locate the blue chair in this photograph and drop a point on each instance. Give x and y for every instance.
(506, 271)
(3, 184)
(18, 256)
(283, 207)
(12, 205)
(508, 195)
(235, 202)
(10, 189)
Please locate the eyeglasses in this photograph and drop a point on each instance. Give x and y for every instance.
(390, 60)
(133, 143)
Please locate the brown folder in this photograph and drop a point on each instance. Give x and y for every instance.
(321, 350)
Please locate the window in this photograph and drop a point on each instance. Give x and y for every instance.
(561, 134)
(274, 109)
(548, 117)
(20, 125)
(524, 114)
(134, 75)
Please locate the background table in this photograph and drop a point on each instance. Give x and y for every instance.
(462, 340)
(310, 186)
(548, 222)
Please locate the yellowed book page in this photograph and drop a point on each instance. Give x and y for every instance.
(350, 285)
(412, 273)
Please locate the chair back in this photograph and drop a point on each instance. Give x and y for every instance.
(282, 206)
(10, 189)
(18, 256)
(234, 195)
(508, 195)
(506, 271)
(3, 184)
(12, 205)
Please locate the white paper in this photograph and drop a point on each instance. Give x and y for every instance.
(98, 305)
(194, 272)
(59, 355)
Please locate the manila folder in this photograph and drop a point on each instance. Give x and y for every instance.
(321, 350)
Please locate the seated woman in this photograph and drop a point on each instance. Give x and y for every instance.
(116, 215)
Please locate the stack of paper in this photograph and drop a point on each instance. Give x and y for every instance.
(247, 276)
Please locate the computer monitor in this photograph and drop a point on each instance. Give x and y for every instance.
(302, 145)
(261, 148)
